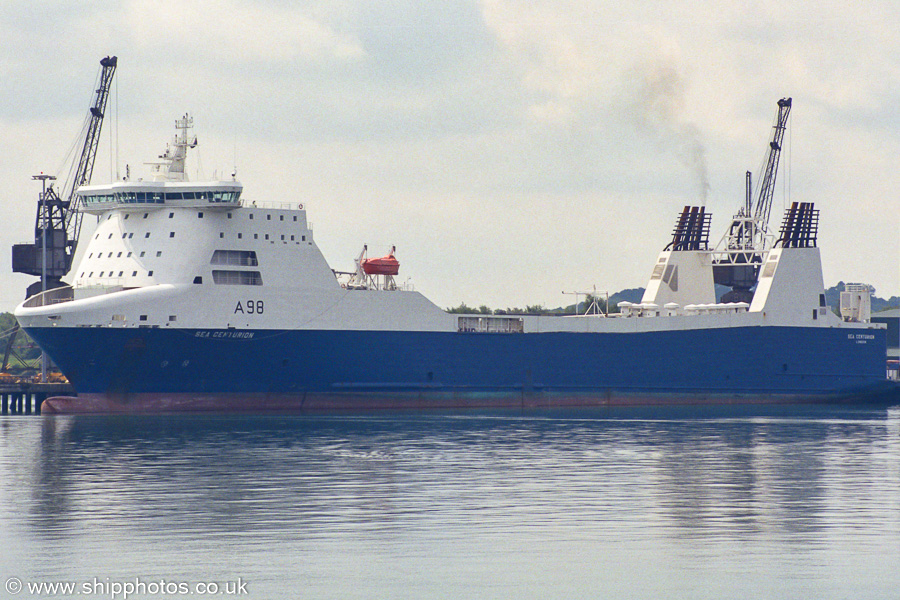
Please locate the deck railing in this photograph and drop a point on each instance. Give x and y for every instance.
(54, 296)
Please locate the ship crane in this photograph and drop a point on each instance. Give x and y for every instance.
(742, 249)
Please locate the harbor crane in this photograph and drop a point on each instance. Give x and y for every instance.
(58, 222)
(742, 249)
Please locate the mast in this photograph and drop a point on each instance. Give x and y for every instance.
(170, 167)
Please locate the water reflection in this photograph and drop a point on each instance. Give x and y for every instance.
(433, 488)
(723, 474)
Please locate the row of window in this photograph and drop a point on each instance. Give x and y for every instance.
(200, 216)
(219, 277)
(237, 277)
(128, 255)
(160, 197)
(113, 274)
(246, 258)
(240, 236)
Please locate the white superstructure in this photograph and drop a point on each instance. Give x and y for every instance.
(174, 253)
(189, 297)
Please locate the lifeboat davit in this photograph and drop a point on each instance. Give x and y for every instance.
(386, 265)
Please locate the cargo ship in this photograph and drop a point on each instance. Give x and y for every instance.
(187, 297)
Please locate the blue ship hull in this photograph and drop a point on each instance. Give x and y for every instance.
(186, 369)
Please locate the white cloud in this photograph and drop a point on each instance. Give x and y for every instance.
(508, 132)
(226, 32)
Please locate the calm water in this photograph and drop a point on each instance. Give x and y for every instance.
(799, 502)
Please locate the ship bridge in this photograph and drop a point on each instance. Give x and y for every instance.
(148, 194)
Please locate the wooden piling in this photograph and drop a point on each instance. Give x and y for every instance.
(25, 398)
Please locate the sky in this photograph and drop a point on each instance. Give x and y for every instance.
(510, 150)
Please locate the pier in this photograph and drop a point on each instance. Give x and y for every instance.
(26, 398)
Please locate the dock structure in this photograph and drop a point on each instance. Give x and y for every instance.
(26, 398)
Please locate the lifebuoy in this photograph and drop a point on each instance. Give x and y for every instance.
(300, 206)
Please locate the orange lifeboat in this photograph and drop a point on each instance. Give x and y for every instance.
(386, 265)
